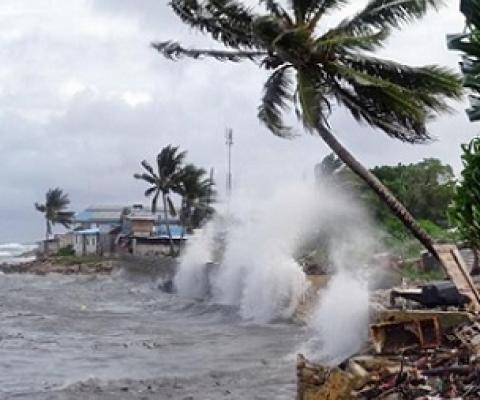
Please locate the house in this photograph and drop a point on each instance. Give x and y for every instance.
(104, 230)
(105, 218)
(86, 242)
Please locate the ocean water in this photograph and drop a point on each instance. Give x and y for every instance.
(13, 253)
(120, 338)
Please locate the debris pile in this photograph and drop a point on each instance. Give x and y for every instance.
(430, 352)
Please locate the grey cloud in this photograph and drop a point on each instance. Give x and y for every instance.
(92, 142)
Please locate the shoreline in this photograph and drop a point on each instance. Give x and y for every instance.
(60, 265)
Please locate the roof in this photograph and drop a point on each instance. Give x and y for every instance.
(91, 231)
(100, 214)
(142, 217)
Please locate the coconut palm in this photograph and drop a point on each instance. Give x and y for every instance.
(197, 192)
(54, 210)
(313, 68)
(468, 43)
(164, 181)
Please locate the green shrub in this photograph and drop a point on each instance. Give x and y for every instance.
(66, 251)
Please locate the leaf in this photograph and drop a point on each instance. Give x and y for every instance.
(276, 95)
(227, 21)
(174, 51)
(385, 14)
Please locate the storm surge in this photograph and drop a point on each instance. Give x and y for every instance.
(259, 272)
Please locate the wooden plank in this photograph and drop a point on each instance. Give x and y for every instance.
(454, 266)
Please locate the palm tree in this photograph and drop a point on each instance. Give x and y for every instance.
(468, 43)
(164, 181)
(54, 210)
(197, 192)
(312, 69)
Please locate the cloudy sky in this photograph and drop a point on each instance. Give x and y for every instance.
(83, 99)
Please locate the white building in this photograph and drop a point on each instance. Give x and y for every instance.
(86, 242)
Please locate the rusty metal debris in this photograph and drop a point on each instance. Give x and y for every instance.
(395, 337)
(419, 354)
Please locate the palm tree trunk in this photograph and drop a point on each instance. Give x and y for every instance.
(379, 188)
(167, 224)
(476, 266)
(48, 231)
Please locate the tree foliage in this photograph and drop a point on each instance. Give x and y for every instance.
(196, 190)
(314, 68)
(55, 209)
(468, 43)
(171, 176)
(465, 209)
(311, 70)
(425, 188)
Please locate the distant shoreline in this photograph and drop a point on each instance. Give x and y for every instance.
(66, 266)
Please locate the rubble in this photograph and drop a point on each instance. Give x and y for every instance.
(431, 351)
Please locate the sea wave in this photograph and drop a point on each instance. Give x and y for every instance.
(11, 252)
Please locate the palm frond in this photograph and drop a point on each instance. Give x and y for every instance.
(226, 21)
(171, 207)
(145, 177)
(401, 99)
(431, 79)
(278, 11)
(369, 105)
(342, 42)
(321, 8)
(40, 207)
(313, 10)
(384, 14)
(149, 168)
(174, 51)
(150, 191)
(277, 93)
(314, 107)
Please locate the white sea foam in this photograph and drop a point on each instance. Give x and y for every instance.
(259, 272)
(12, 252)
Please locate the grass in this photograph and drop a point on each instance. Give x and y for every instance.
(68, 260)
(413, 274)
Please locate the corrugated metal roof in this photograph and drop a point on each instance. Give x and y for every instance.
(100, 214)
(91, 231)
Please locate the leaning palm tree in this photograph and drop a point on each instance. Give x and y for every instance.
(164, 181)
(197, 194)
(54, 210)
(314, 67)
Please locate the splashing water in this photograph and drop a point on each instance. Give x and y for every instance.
(259, 273)
(191, 280)
(340, 322)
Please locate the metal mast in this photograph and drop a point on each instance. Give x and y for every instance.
(229, 143)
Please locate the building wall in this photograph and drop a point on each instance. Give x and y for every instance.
(78, 244)
(85, 244)
(142, 227)
(64, 240)
(150, 249)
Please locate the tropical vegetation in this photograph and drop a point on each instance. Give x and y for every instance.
(55, 210)
(172, 177)
(468, 43)
(312, 67)
(196, 190)
(465, 209)
(427, 189)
